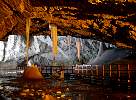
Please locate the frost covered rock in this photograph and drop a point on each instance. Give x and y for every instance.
(40, 50)
(109, 56)
(1, 50)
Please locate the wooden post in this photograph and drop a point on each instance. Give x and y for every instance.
(118, 72)
(86, 70)
(97, 71)
(82, 69)
(78, 69)
(103, 71)
(62, 74)
(128, 73)
(110, 69)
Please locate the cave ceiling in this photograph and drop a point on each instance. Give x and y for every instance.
(112, 22)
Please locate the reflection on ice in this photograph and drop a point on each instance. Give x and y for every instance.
(106, 81)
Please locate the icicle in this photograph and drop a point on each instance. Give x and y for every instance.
(81, 43)
(78, 48)
(54, 39)
(69, 43)
(28, 21)
(101, 50)
(22, 6)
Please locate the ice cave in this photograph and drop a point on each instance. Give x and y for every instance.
(67, 50)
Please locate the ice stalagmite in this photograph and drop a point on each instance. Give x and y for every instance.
(32, 73)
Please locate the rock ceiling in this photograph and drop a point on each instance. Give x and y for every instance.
(111, 22)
